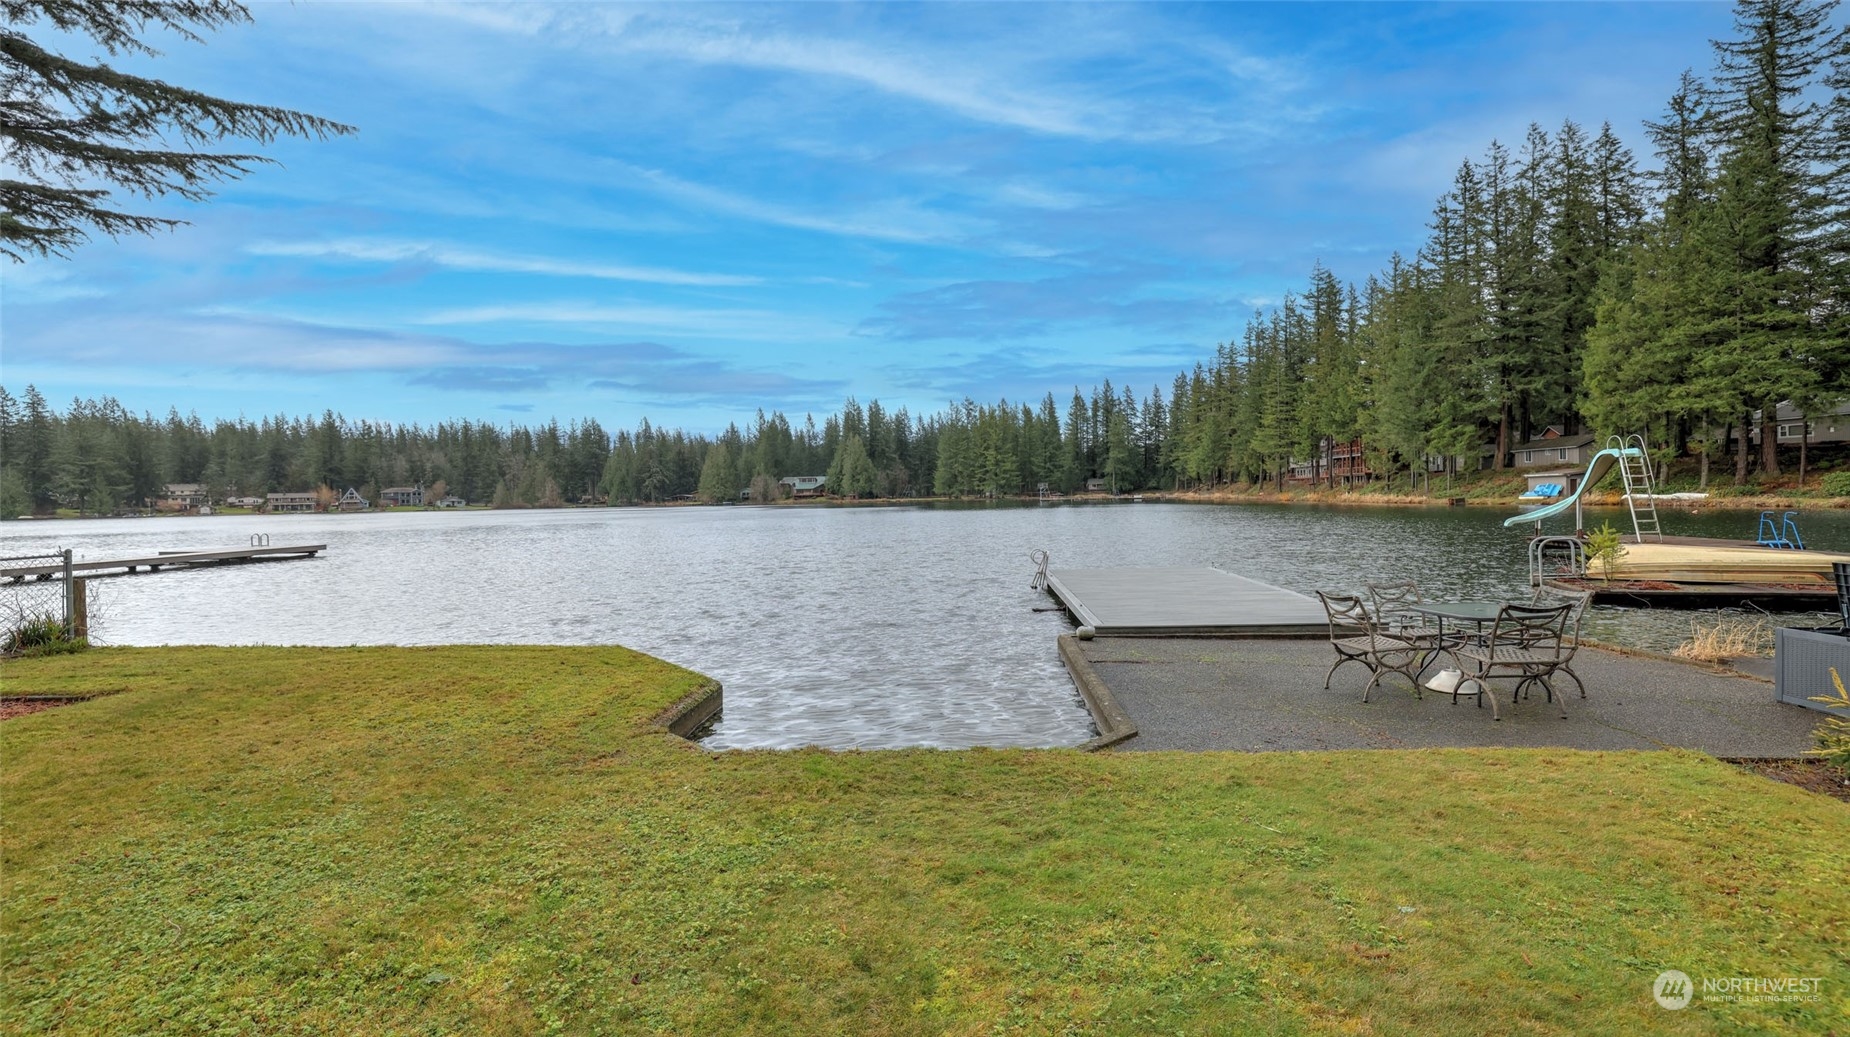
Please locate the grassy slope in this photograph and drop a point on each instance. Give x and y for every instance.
(494, 840)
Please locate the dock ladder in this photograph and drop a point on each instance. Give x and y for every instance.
(1635, 473)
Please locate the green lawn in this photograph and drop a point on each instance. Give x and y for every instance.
(496, 840)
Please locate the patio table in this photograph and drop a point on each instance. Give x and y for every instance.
(1459, 613)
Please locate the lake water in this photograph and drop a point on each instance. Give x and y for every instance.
(842, 627)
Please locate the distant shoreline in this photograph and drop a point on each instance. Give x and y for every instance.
(1320, 497)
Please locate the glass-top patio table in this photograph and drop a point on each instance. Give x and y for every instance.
(1458, 613)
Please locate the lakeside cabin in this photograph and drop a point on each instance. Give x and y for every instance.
(352, 501)
(1554, 448)
(804, 485)
(290, 503)
(183, 495)
(402, 496)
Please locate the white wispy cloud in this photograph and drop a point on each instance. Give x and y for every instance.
(1038, 75)
(748, 324)
(1033, 194)
(939, 80)
(896, 220)
(457, 258)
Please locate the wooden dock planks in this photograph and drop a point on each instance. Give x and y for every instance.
(1173, 602)
(178, 560)
(1664, 594)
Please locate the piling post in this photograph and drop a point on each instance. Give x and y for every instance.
(80, 608)
(70, 600)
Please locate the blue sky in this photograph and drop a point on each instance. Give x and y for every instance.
(693, 211)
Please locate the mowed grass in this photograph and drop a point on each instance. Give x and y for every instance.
(496, 840)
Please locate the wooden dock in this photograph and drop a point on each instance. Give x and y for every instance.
(1667, 594)
(164, 560)
(1177, 602)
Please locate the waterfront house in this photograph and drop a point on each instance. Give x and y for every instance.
(1820, 425)
(402, 496)
(352, 501)
(183, 494)
(1347, 463)
(1338, 462)
(1553, 447)
(451, 501)
(288, 503)
(804, 485)
(1095, 486)
(244, 502)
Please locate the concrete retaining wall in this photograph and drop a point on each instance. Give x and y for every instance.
(694, 710)
(1114, 725)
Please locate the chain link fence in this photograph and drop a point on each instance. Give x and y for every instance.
(35, 592)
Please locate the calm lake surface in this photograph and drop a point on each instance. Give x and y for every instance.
(842, 627)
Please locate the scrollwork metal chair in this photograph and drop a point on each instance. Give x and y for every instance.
(1545, 596)
(1393, 608)
(1382, 653)
(1528, 642)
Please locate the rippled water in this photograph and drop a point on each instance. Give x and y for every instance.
(843, 627)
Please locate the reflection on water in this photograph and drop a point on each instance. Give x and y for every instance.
(843, 627)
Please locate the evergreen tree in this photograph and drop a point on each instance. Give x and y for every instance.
(77, 133)
(718, 480)
(1771, 194)
(852, 473)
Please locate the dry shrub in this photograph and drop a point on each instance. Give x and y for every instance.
(1727, 637)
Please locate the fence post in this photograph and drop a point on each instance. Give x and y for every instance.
(80, 609)
(70, 603)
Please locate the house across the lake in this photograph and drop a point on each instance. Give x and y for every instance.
(183, 494)
(244, 502)
(352, 501)
(1554, 448)
(804, 485)
(1822, 425)
(451, 501)
(288, 503)
(402, 496)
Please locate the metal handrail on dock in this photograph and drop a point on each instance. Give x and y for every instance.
(169, 559)
(1543, 548)
(1039, 558)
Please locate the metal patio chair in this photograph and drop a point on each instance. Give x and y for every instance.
(1381, 652)
(1528, 642)
(1393, 607)
(1545, 596)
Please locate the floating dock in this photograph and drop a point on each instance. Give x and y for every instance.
(1178, 602)
(1666, 594)
(1702, 560)
(164, 560)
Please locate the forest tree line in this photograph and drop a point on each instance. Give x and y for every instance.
(1560, 284)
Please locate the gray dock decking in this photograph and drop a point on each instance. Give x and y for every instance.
(1183, 602)
(166, 559)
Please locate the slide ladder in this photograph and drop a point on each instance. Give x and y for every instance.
(1635, 472)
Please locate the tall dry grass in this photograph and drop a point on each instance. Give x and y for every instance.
(1727, 637)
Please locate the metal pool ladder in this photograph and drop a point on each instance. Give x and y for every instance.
(1635, 473)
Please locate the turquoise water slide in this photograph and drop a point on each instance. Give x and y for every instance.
(1598, 468)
